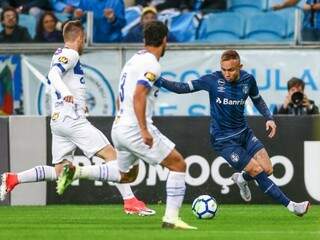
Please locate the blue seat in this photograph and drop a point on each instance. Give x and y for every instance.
(132, 15)
(222, 27)
(62, 17)
(266, 27)
(184, 26)
(29, 22)
(288, 14)
(247, 7)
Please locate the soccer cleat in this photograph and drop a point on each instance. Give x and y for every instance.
(302, 208)
(134, 206)
(178, 224)
(245, 192)
(65, 178)
(8, 182)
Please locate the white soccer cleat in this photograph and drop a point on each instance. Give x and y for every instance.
(177, 224)
(300, 209)
(245, 192)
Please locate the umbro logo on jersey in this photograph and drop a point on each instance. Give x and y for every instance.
(63, 59)
(226, 101)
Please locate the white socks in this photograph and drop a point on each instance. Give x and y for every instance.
(104, 172)
(176, 187)
(37, 174)
(125, 190)
(240, 178)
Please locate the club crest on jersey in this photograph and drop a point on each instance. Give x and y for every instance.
(245, 89)
(63, 59)
(150, 76)
(234, 157)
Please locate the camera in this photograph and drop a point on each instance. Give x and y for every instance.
(297, 98)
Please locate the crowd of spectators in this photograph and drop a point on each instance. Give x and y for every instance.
(109, 17)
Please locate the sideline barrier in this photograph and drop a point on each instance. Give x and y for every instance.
(294, 152)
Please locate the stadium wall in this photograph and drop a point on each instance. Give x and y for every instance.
(295, 153)
(28, 145)
(4, 149)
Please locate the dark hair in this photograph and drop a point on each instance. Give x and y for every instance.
(229, 55)
(154, 32)
(295, 82)
(40, 28)
(71, 29)
(7, 9)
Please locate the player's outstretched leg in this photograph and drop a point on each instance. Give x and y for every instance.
(37, 174)
(270, 188)
(245, 192)
(104, 172)
(175, 187)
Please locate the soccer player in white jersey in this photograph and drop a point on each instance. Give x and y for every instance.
(133, 133)
(71, 129)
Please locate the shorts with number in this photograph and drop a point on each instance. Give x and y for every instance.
(67, 134)
(130, 146)
(238, 150)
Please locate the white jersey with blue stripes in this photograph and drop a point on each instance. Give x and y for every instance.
(143, 68)
(67, 62)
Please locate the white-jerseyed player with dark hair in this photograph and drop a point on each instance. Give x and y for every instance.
(71, 129)
(133, 133)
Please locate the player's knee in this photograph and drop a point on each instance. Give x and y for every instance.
(131, 176)
(269, 170)
(254, 169)
(179, 165)
(125, 178)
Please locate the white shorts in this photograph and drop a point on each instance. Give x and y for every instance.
(67, 134)
(130, 146)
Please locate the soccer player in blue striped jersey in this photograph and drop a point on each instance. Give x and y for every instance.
(230, 134)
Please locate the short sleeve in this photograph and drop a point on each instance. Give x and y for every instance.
(202, 83)
(254, 91)
(66, 60)
(150, 73)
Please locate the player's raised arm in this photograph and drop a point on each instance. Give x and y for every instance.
(262, 107)
(202, 83)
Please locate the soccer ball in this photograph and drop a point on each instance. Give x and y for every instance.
(204, 207)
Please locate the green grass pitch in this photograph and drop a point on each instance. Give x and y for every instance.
(77, 222)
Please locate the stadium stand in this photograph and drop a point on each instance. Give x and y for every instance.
(192, 27)
(184, 26)
(132, 16)
(214, 28)
(266, 27)
(29, 22)
(247, 6)
(63, 16)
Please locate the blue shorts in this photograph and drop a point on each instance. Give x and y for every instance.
(238, 150)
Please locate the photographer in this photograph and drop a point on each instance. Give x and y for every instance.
(296, 102)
